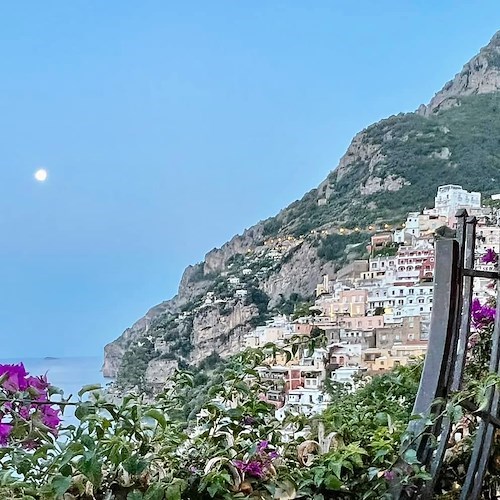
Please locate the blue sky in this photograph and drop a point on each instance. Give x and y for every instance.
(167, 127)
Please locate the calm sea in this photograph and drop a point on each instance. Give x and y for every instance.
(69, 374)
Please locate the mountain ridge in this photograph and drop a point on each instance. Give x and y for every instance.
(391, 167)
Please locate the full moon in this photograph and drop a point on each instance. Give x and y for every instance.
(41, 175)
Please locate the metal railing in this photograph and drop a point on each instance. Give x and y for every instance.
(443, 372)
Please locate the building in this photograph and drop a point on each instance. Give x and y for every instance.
(450, 198)
(410, 260)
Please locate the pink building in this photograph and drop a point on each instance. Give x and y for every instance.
(363, 322)
(410, 261)
(427, 269)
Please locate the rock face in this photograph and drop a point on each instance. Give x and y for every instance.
(220, 333)
(390, 168)
(113, 352)
(158, 371)
(481, 75)
(299, 274)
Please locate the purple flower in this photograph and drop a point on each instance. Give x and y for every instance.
(5, 430)
(262, 445)
(248, 421)
(490, 257)
(15, 377)
(50, 417)
(389, 475)
(253, 467)
(24, 412)
(482, 315)
(39, 383)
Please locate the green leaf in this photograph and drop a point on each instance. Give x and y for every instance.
(60, 485)
(25, 466)
(373, 473)
(174, 490)
(135, 465)
(91, 468)
(89, 388)
(42, 451)
(66, 470)
(335, 467)
(83, 410)
(410, 457)
(157, 492)
(52, 389)
(88, 442)
(158, 416)
(332, 482)
(213, 489)
(135, 495)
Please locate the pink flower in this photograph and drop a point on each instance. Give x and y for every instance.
(15, 377)
(5, 430)
(490, 257)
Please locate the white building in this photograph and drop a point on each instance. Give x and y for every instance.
(487, 237)
(304, 401)
(345, 374)
(450, 198)
(411, 301)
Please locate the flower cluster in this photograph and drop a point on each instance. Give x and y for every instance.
(25, 408)
(259, 465)
(490, 257)
(483, 315)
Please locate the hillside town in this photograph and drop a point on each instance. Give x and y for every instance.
(375, 313)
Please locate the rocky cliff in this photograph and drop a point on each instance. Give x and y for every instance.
(390, 168)
(481, 75)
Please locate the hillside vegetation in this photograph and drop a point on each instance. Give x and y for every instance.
(460, 145)
(390, 168)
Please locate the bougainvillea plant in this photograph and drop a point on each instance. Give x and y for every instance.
(26, 413)
(234, 447)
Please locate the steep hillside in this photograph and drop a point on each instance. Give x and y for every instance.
(390, 168)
